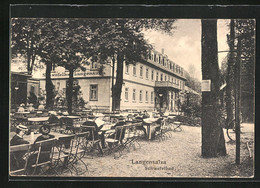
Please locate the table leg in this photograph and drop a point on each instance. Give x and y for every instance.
(149, 132)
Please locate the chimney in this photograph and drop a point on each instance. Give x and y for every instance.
(162, 50)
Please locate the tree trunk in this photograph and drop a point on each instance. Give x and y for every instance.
(119, 80)
(213, 142)
(69, 91)
(29, 60)
(49, 87)
(113, 89)
(229, 104)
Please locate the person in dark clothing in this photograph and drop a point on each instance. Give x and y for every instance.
(16, 158)
(140, 119)
(18, 137)
(94, 135)
(32, 99)
(53, 119)
(46, 149)
(44, 130)
(116, 135)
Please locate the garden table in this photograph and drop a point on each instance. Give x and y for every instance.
(151, 124)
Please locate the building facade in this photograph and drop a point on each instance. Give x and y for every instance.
(153, 84)
(22, 85)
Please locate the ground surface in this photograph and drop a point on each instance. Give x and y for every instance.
(182, 155)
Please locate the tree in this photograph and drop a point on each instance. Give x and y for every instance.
(33, 38)
(73, 48)
(245, 29)
(122, 41)
(230, 76)
(213, 142)
(26, 39)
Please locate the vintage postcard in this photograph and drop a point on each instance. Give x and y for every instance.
(131, 97)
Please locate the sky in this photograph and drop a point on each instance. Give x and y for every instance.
(184, 46)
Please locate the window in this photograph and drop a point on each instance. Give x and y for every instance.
(141, 96)
(163, 61)
(173, 67)
(126, 94)
(93, 92)
(141, 71)
(172, 80)
(133, 94)
(157, 76)
(93, 65)
(147, 73)
(152, 58)
(169, 79)
(161, 77)
(165, 78)
(152, 75)
(177, 82)
(152, 97)
(127, 69)
(134, 70)
(155, 58)
(146, 96)
(159, 59)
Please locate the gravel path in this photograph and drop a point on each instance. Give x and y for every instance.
(182, 155)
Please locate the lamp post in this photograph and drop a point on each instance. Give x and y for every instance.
(160, 95)
(15, 95)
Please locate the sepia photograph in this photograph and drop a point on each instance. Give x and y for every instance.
(132, 97)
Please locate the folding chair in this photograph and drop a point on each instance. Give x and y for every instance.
(68, 124)
(131, 137)
(71, 150)
(18, 163)
(79, 150)
(63, 153)
(41, 155)
(92, 140)
(116, 144)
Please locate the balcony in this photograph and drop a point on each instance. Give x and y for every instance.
(166, 84)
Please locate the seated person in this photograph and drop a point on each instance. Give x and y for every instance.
(46, 149)
(53, 119)
(41, 107)
(21, 108)
(141, 128)
(44, 130)
(116, 134)
(18, 137)
(16, 158)
(31, 108)
(91, 122)
(145, 114)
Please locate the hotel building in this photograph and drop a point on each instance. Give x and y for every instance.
(153, 84)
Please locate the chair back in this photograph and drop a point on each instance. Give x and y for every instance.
(81, 139)
(120, 133)
(43, 151)
(65, 141)
(88, 126)
(17, 162)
